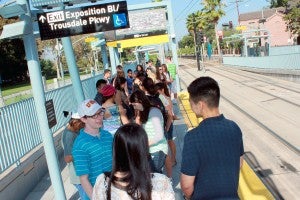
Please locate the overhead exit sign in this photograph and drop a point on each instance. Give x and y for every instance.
(89, 19)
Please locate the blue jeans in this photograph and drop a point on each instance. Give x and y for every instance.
(82, 194)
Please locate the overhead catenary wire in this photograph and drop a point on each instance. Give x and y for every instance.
(183, 11)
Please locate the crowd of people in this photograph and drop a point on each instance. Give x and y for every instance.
(117, 144)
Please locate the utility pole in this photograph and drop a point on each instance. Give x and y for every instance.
(195, 42)
(238, 12)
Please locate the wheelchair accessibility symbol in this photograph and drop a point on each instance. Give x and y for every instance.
(119, 20)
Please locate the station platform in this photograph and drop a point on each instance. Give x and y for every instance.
(250, 186)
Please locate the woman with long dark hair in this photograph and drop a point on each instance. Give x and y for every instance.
(164, 96)
(151, 118)
(120, 83)
(131, 176)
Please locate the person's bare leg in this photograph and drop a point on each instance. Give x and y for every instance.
(168, 166)
(172, 146)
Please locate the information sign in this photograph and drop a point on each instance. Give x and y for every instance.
(89, 19)
(50, 113)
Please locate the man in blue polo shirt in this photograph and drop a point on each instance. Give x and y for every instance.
(212, 152)
(92, 149)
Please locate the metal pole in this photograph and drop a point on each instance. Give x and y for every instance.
(137, 56)
(60, 66)
(173, 42)
(57, 63)
(73, 69)
(1, 98)
(72, 66)
(112, 59)
(196, 42)
(39, 98)
(104, 56)
(117, 56)
(238, 12)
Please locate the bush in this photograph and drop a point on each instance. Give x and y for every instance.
(47, 69)
(186, 51)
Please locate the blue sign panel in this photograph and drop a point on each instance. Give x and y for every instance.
(89, 19)
(120, 20)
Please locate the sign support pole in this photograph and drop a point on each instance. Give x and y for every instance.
(112, 60)
(70, 57)
(173, 41)
(104, 56)
(1, 98)
(39, 98)
(117, 56)
(72, 66)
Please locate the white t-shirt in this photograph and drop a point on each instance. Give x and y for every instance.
(154, 128)
(162, 189)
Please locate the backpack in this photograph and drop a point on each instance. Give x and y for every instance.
(156, 102)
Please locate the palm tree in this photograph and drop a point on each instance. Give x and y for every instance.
(214, 11)
(196, 20)
(194, 24)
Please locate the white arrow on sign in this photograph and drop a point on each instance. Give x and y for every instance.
(42, 18)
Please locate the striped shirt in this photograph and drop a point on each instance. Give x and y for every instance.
(92, 155)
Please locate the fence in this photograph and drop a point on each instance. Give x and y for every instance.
(19, 128)
(283, 58)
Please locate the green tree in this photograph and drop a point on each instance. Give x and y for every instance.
(127, 54)
(293, 17)
(186, 41)
(278, 3)
(213, 10)
(13, 66)
(196, 22)
(47, 69)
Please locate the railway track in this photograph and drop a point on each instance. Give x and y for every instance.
(267, 110)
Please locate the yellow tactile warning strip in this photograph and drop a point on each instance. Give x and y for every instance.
(250, 186)
(189, 116)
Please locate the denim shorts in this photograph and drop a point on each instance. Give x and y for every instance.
(158, 161)
(169, 133)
